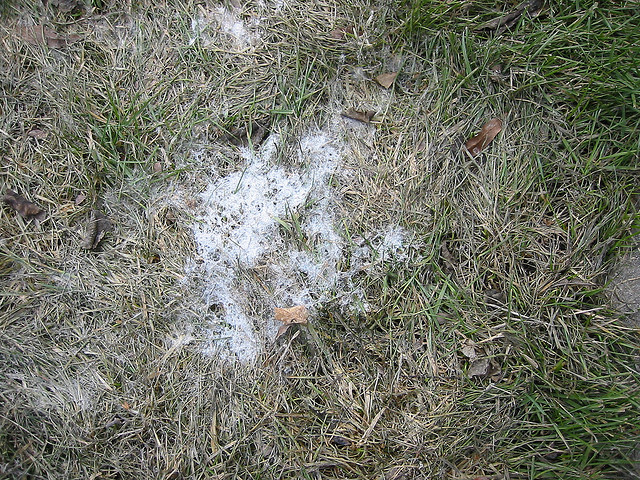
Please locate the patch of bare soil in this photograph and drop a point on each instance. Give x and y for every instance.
(624, 285)
(624, 289)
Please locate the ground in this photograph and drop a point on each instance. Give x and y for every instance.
(173, 172)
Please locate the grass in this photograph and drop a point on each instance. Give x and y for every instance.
(100, 351)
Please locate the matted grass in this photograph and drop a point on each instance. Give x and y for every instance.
(103, 374)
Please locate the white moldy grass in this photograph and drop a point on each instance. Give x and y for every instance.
(221, 20)
(268, 237)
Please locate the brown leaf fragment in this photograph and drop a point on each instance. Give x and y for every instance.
(157, 167)
(252, 134)
(488, 132)
(341, 33)
(42, 35)
(298, 314)
(290, 316)
(354, 114)
(27, 210)
(469, 351)
(37, 134)
(479, 367)
(340, 441)
(500, 24)
(386, 79)
(67, 6)
(484, 367)
(98, 225)
(80, 198)
(283, 329)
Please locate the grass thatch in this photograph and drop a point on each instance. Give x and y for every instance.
(101, 370)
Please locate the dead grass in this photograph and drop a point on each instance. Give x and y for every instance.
(102, 375)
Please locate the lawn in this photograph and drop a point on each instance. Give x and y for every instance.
(175, 171)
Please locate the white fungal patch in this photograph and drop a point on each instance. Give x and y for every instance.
(268, 236)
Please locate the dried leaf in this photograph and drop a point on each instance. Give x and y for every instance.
(340, 441)
(341, 33)
(254, 133)
(291, 316)
(386, 79)
(488, 132)
(354, 114)
(500, 24)
(298, 314)
(469, 351)
(157, 167)
(496, 73)
(80, 198)
(494, 295)
(37, 134)
(98, 225)
(27, 210)
(483, 367)
(283, 329)
(67, 6)
(41, 35)
(479, 367)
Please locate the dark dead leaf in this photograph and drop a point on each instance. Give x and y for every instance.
(42, 35)
(496, 73)
(396, 473)
(297, 315)
(479, 367)
(67, 6)
(500, 24)
(340, 441)
(341, 33)
(254, 133)
(37, 134)
(552, 456)
(80, 198)
(488, 132)
(484, 367)
(469, 350)
(386, 79)
(450, 262)
(494, 295)
(354, 114)
(443, 318)
(27, 210)
(153, 258)
(98, 225)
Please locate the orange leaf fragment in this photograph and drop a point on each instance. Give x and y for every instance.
(291, 316)
(386, 79)
(298, 314)
(488, 132)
